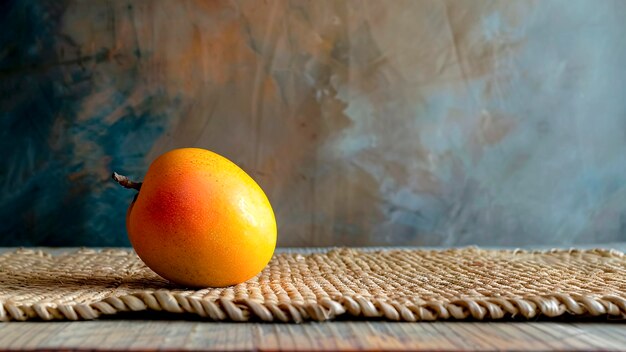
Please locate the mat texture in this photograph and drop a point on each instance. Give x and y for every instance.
(408, 285)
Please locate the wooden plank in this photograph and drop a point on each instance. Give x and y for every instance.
(119, 335)
(511, 334)
(141, 335)
(613, 332)
(27, 336)
(220, 337)
(126, 335)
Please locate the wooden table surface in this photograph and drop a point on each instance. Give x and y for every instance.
(159, 332)
(148, 335)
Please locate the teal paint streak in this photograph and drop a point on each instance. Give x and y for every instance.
(54, 192)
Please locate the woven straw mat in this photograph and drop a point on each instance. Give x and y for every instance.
(406, 285)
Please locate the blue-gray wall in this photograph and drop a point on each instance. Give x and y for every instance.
(367, 123)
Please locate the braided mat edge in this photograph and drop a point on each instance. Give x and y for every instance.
(530, 306)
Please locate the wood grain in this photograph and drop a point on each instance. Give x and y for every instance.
(337, 336)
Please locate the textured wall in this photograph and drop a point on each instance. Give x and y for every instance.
(378, 122)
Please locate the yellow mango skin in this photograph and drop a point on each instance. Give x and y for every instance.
(200, 221)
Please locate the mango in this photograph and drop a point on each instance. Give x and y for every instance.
(199, 220)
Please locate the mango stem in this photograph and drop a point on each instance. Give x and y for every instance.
(126, 182)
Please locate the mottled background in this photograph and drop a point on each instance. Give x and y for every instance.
(367, 123)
